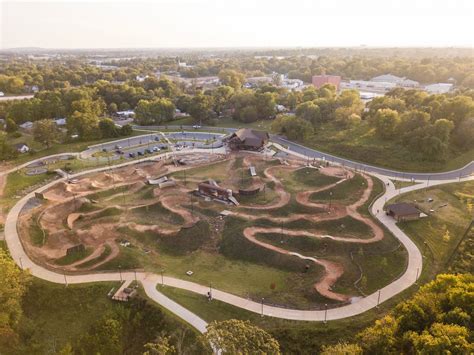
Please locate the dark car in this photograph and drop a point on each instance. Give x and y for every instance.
(140, 153)
(104, 150)
(157, 139)
(149, 151)
(118, 151)
(131, 155)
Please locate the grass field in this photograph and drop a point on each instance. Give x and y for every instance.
(401, 184)
(295, 337)
(54, 315)
(438, 234)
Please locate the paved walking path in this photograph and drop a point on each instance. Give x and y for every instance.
(150, 280)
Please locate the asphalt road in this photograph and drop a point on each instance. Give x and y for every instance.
(315, 154)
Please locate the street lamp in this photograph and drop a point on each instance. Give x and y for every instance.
(325, 313)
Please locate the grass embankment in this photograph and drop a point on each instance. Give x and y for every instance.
(54, 315)
(361, 144)
(72, 258)
(449, 215)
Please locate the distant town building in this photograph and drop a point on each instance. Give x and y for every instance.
(403, 211)
(26, 125)
(248, 139)
(141, 78)
(22, 148)
(60, 121)
(125, 114)
(321, 80)
(439, 88)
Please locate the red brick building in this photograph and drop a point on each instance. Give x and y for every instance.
(320, 80)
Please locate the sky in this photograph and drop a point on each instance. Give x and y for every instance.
(236, 23)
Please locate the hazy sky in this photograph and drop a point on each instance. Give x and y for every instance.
(229, 23)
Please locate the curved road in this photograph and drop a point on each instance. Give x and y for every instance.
(310, 153)
(150, 281)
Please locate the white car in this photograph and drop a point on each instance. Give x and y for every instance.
(156, 149)
(196, 126)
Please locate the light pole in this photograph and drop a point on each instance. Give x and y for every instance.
(330, 200)
(325, 313)
(263, 299)
(120, 273)
(416, 277)
(210, 290)
(378, 299)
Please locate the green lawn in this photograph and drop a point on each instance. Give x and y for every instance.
(401, 184)
(438, 234)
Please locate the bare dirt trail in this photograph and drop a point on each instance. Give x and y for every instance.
(333, 271)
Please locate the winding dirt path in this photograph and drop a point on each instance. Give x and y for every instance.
(332, 270)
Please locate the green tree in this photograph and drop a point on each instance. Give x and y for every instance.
(108, 129)
(222, 96)
(161, 346)
(292, 127)
(13, 285)
(46, 132)
(342, 349)
(113, 108)
(86, 125)
(231, 78)
(309, 111)
(126, 130)
(240, 337)
(201, 107)
(441, 339)
(104, 337)
(386, 122)
(6, 150)
(10, 125)
(154, 112)
(265, 105)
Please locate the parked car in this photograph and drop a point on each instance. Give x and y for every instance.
(118, 147)
(131, 155)
(196, 126)
(149, 151)
(140, 153)
(157, 139)
(156, 149)
(104, 150)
